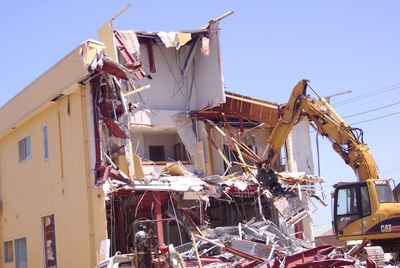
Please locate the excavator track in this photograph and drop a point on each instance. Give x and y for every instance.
(376, 254)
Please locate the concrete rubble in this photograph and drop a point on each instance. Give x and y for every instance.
(253, 243)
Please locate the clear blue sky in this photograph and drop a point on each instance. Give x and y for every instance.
(267, 46)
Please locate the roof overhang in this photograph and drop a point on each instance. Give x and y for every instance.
(243, 107)
(48, 87)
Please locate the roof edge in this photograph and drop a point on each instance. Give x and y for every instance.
(71, 69)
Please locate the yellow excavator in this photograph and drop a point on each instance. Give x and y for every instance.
(363, 210)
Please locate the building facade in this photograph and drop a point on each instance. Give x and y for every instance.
(50, 211)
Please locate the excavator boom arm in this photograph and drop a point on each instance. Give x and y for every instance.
(346, 141)
(286, 121)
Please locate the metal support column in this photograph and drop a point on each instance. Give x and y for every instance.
(158, 210)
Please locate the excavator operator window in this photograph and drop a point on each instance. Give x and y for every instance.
(347, 205)
(366, 206)
(347, 201)
(384, 192)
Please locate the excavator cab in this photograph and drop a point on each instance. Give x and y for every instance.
(366, 210)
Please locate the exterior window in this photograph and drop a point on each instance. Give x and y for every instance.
(346, 207)
(385, 194)
(366, 206)
(45, 143)
(157, 153)
(8, 251)
(24, 148)
(49, 241)
(347, 201)
(21, 256)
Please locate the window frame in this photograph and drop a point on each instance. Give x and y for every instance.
(45, 133)
(351, 207)
(51, 236)
(363, 205)
(350, 217)
(381, 193)
(15, 251)
(159, 153)
(25, 156)
(5, 251)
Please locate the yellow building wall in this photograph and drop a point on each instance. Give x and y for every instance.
(61, 185)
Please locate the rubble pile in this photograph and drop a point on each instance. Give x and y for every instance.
(214, 204)
(179, 216)
(255, 242)
(258, 240)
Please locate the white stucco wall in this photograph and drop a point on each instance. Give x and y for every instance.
(173, 88)
(301, 143)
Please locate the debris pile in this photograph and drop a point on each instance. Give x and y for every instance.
(253, 244)
(212, 204)
(253, 241)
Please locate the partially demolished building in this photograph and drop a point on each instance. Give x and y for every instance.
(132, 144)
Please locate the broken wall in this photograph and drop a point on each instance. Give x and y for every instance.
(170, 90)
(184, 79)
(208, 76)
(219, 142)
(301, 143)
(301, 160)
(180, 83)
